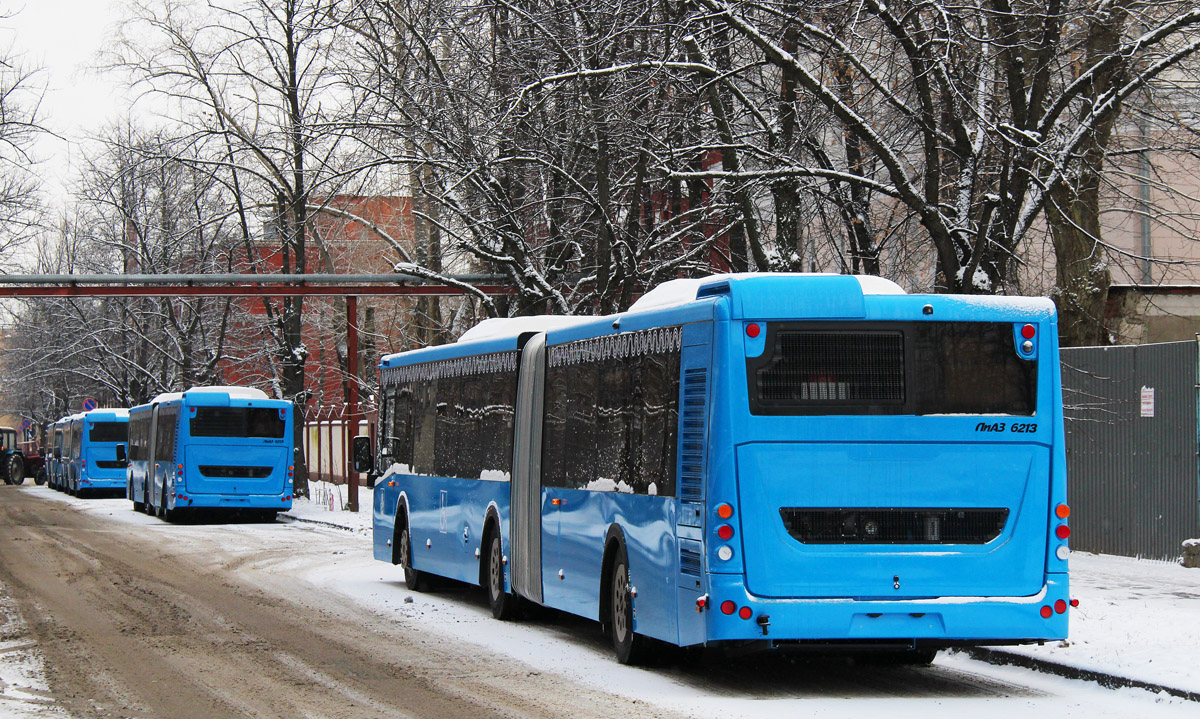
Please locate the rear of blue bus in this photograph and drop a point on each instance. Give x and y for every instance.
(99, 469)
(886, 471)
(234, 453)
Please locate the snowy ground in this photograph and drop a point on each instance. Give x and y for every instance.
(1136, 619)
(23, 691)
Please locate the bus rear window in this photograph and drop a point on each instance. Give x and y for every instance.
(892, 368)
(108, 431)
(237, 422)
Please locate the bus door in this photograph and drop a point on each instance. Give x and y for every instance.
(525, 506)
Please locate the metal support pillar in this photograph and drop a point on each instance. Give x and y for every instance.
(351, 426)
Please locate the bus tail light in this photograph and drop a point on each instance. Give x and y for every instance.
(1062, 531)
(1060, 606)
(745, 612)
(724, 511)
(1046, 611)
(728, 607)
(1062, 511)
(1074, 602)
(725, 532)
(702, 603)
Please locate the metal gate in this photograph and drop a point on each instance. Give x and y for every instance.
(1131, 440)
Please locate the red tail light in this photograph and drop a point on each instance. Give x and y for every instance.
(745, 612)
(1062, 531)
(728, 607)
(1047, 611)
(725, 531)
(753, 330)
(1060, 606)
(1028, 332)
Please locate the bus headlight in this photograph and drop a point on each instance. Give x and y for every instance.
(724, 552)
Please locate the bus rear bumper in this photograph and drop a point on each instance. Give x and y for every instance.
(943, 621)
(279, 502)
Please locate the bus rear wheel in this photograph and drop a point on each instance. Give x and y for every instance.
(40, 478)
(504, 605)
(631, 648)
(414, 579)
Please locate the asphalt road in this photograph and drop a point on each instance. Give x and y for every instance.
(133, 625)
(134, 617)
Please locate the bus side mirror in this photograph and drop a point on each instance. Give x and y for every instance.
(121, 453)
(362, 454)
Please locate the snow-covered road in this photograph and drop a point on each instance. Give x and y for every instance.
(562, 660)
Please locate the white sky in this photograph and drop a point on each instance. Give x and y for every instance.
(64, 37)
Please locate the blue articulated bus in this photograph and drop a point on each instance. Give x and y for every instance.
(757, 460)
(217, 448)
(94, 466)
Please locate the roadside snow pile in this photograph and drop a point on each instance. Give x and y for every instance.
(326, 504)
(1137, 618)
(23, 689)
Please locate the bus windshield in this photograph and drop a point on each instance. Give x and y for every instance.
(109, 432)
(263, 422)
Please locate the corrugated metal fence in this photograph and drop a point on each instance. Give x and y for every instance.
(1131, 448)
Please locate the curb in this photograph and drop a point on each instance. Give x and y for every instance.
(293, 518)
(1108, 681)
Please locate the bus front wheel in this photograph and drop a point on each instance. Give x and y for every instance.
(504, 605)
(415, 580)
(631, 647)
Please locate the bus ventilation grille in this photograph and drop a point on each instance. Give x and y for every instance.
(689, 562)
(695, 416)
(229, 472)
(894, 526)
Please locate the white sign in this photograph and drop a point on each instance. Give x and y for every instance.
(1147, 401)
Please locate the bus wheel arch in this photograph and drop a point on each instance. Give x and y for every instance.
(402, 550)
(616, 603)
(505, 605)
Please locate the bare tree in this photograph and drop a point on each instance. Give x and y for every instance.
(981, 119)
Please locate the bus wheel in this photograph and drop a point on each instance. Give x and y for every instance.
(504, 605)
(631, 648)
(16, 469)
(40, 477)
(415, 580)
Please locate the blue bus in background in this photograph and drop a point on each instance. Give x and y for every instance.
(56, 462)
(755, 460)
(93, 465)
(221, 448)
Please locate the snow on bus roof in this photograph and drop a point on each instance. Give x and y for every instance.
(116, 411)
(232, 391)
(678, 292)
(166, 397)
(512, 326)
